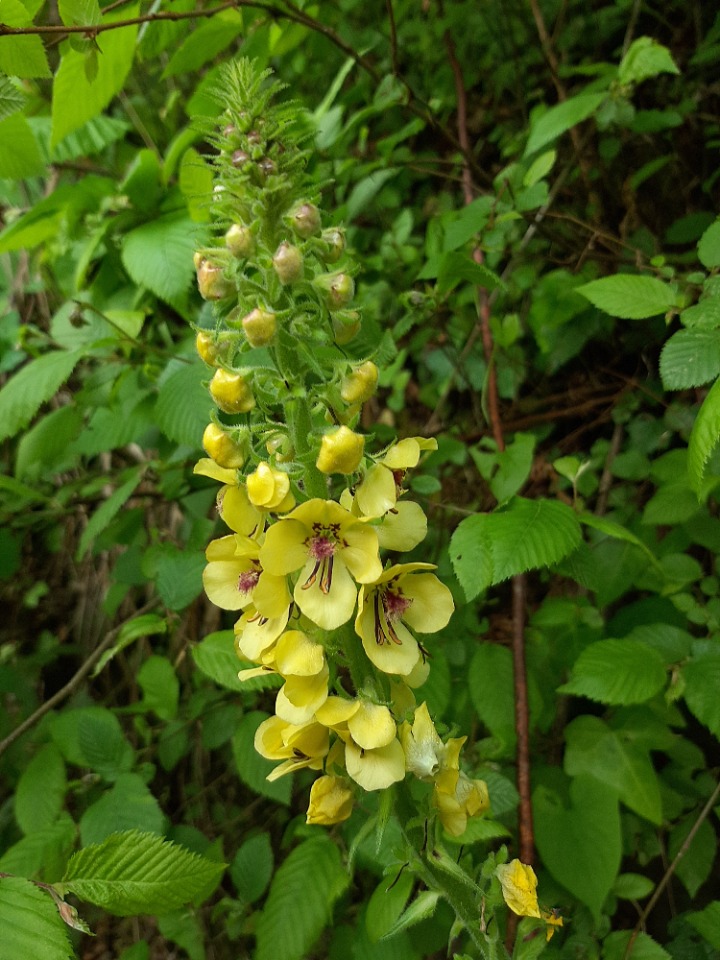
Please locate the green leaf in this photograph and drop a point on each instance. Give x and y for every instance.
(92, 737)
(215, 656)
(252, 867)
(46, 448)
(617, 671)
(707, 923)
(109, 509)
(22, 56)
(365, 190)
(90, 139)
(138, 873)
(456, 266)
(19, 152)
(422, 907)
(31, 925)
(159, 255)
(79, 12)
(709, 246)
(204, 43)
(43, 853)
(540, 167)
(705, 314)
(128, 805)
(75, 98)
(580, 844)
(690, 358)
(26, 391)
(643, 947)
(178, 575)
(40, 793)
(633, 886)
(560, 118)
(630, 297)
(160, 686)
(490, 680)
(526, 534)
(695, 867)
(617, 531)
(387, 902)
(701, 677)
(300, 901)
(145, 625)
(645, 58)
(251, 767)
(704, 437)
(11, 98)
(195, 178)
(592, 748)
(183, 407)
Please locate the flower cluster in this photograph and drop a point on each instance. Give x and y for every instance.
(312, 513)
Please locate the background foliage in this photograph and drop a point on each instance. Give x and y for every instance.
(592, 170)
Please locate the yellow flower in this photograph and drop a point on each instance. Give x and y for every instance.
(519, 888)
(552, 921)
(425, 752)
(457, 797)
(298, 746)
(331, 801)
(382, 484)
(234, 578)
(256, 634)
(330, 547)
(341, 451)
(375, 769)
(401, 595)
(269, 489)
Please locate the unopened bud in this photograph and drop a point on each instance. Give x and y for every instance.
(211, 282)
(260, 327)
(288, 263)
(231, 392)
(339, 289)
(266, 166)
(346, 325)
(240, 158)
(240, 241)
(280, 447)
(335, 240)
(305, 220)
(341, 451)
(360, 384)
(206, 347)
(222, 448)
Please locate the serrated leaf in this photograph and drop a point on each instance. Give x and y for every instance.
(252, 867)
(300, 901)
(205, 42)
(695, 867)
(90, 139)
(159, 255)
(195, 178)
(690, 358)
(592, 748)
(43, 853)
(178, 575)
(645, 58)
(560, 118)
(581, 844)
(422, 907)
(703, 438)
(160, 687)
(526, 534)
(630, 297)
(617, 947)
(215, 656)
(79, 12)
(128, 805)
(617, 531)
(46, 447)
(183, 405)
(30, 923)
(27, 390)
(704, 314)
(491, 690)
(617, 672)
(456, 266)
(145, 625)
(707, 923)
(92, 737)
(76, 98)
(11, 98)
(138, 873)
(21, 56)
(701, 676)
(709, 246)
(40, 793)
(109, 509)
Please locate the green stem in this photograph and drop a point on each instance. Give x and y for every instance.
(362, 672)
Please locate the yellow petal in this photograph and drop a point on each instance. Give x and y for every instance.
(403, 527)
(378, 491)
(208, 468)
(432, 603)
(298, 656)
(372, 726)
(336, 712)
(328, 596)
(519, 886)
(237, 511)
(331, 801)
(300, 697)
(375, 769)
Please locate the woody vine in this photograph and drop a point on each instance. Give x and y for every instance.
(317, 519)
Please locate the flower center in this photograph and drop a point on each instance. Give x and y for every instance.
(321, 548)
(389, 607)
(247, 581)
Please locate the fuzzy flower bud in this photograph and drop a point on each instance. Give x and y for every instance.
(211, 282)
(346, 325)
(222, 448)
(331, 801)
(360, 384)
(240, 241)
(335, 244)
(280, 447)
(260, 327)
(231, 392)
(341, 451)
(269, 489)
(206, 347)
(288, 263)
(339, 288)
(305, 220)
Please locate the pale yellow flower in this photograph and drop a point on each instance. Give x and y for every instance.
(269, 489)
(519, 888)
(331, 801)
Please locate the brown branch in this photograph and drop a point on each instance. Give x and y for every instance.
(74, 682)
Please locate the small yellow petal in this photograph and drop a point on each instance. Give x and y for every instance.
(519, 888)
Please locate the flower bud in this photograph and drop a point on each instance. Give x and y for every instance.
(335, 244)
(267, 167)
(280, 447)
(206, 347)
(288, 263)
(339, 289)
(239, 158)
(231, 392)
(346, 325)
(269, 489)
(360, 384)
(211, 282)
(341, 451)
(305, 220)
(222, 448)
(240, 241)
(260, 327)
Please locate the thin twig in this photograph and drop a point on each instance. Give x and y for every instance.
(393, 38)
(607, 475)
(74, 682)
